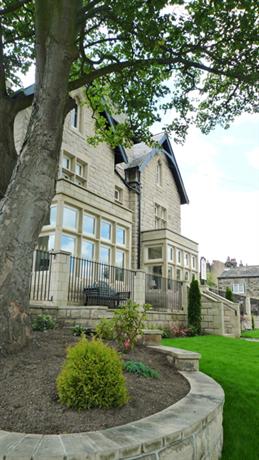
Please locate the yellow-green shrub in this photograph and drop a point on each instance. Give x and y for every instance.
(92, 377)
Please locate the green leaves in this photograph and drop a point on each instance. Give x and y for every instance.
(201, 56)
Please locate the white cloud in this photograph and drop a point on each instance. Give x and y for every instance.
(224, 222)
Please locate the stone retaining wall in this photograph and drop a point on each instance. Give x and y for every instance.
(90, 315)
(191, 429)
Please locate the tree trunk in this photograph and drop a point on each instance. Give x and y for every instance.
(7, 147)
(32, 186)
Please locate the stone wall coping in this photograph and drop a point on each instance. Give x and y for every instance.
(173, 425)
(152, 331)
(177, 352)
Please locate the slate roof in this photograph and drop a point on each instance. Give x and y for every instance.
(140, 155)
(248, 271)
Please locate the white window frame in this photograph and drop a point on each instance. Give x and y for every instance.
(110, 224)
(85, 214)
(238, 288)
(170, 250)
(124, 230)
(152, 247)
(93, 246)
(69, 160)
(76, 223)
(178, 253)
(73, 238)
(186, 259)
(118, 194)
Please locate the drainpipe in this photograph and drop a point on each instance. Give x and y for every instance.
(135, 186)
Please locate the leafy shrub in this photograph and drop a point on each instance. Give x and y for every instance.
(129, 324)
(43, 322)
(136, 367)
(194, 306)
(105, 329)
(92, 377)
(229, 294)
(78, 330)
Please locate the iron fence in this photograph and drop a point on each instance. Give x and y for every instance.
(94, 283)
(163, 293)
(41, 275)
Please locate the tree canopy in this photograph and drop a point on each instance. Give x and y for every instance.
(202, 55)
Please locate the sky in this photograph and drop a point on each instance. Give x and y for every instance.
(221, 176)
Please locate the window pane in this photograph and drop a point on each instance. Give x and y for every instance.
(53, 215)
(120, 235)
(87, 250)
(68, 243)
(170, 253)
(66, 162)
(89, 224)
(119, 259)
(78, 169)
(46, 243)
(155, 253)
(104, 255)
(69, 218)
(179, 256)
(105, 230)
(74, 117)
(170, 272)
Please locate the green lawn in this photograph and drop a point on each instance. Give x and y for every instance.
(234, 364)
(253, 334)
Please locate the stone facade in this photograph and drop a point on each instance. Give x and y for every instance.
(116, 206)
(250, 284)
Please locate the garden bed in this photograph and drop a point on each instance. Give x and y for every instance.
(28, 400)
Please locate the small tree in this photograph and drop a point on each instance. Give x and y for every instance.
(229, 294)
(194, 306)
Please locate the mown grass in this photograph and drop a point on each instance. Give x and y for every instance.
(252, 334)
(234, 364)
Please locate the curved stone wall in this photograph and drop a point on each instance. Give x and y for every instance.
(191, 429)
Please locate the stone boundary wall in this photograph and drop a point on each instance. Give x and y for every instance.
(89, 316)
(191, 429)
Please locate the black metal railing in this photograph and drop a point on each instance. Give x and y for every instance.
(163, 293)
(94, 283)
(41, 275)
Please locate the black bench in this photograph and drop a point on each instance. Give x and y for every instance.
(103, 294)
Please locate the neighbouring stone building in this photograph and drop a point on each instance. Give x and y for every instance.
(117, 206)
(242, 280)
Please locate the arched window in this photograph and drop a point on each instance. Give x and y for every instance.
(159, 173)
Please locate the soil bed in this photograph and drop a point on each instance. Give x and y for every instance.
(28, 400)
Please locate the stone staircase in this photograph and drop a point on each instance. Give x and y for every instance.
(219, 315)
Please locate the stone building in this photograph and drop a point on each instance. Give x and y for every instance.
(117, 206)
(242, 280)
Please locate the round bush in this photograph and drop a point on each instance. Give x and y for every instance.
(92, 377)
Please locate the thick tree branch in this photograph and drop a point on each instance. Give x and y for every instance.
(142, 63)
(15, 6)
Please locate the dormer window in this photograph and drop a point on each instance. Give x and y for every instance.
(159, 173)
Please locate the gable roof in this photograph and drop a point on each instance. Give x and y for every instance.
(119, 150)
(248, 271)
(141, 154)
